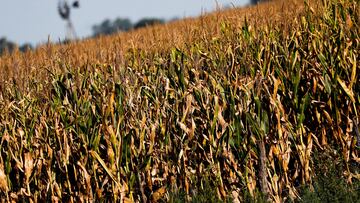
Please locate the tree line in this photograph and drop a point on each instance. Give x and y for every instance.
(108, 27)
(9, 46)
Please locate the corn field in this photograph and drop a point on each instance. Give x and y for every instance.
(241, 97)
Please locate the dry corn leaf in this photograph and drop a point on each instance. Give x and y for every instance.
(3, 180)
(103, 164)
(353, 72)
(127, 200)
(87, 180)
(184, 127)
(349, 22)
(158, 194)
(152, 139)
(222, 122)
(348, 91)
(28, 165)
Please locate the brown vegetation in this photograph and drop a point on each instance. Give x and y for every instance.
(142, 115)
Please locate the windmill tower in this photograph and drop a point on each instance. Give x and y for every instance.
(64, 11)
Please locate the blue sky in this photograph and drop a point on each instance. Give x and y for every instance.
(33, 21)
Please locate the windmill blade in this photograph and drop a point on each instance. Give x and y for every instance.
(76, 4)
(64, 10)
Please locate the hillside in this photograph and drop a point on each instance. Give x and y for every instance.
(181, 34)
(247, 102)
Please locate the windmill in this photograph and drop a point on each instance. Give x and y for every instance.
(64, 11)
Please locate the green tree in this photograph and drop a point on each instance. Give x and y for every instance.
(6, 45)
(108, 27)
(122, 24)
(25, 47)
(148, 22)
(9, 46)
